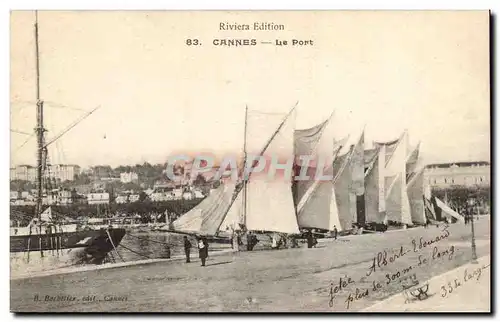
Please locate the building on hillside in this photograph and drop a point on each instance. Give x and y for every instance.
(127, 177)
(108, 179)
(467, 174)
(23, 172)
(14, 195)
(99, 197)
(134, 197)
(64, 172)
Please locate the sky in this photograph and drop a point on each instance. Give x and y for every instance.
(425, 71)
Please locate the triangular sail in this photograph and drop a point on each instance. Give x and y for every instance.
(412, 162)
(317, 206)
(416, 195)
(447, 211)
(395, 178)
(310, 142)
(374, 184)
(397, 203)
(357, 188)
(342, 186)
(234, 215)
(269, 201)
(389, 147)
(206, 217)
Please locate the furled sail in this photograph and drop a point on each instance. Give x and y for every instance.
(269, 200)
(416, 192)
(447, 211)
(375, 187)
(412, 162)
(389, 147)
(206, 217)
(307, 142)
(397, 202)
(317, 206)
(341, 186)
(357, 187)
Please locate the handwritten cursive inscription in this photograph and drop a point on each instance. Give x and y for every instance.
(424, 243)
(383, 259)
(469, 275)
(336, 288)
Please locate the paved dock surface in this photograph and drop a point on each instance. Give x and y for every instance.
(464, 289)
(263, 281)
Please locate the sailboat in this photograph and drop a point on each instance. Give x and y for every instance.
(46, 241)
(397, 204)
(253, 203)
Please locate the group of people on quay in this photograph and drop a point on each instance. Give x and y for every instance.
(278, 240)
(202, 245)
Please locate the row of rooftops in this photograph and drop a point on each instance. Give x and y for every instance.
(466, 164)
(52, 165)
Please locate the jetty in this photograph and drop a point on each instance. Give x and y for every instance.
(283, 280)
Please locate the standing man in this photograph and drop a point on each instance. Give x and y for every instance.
(249, 241)
(310, 239)
(187, 249)
(335, 232)
(203, 250)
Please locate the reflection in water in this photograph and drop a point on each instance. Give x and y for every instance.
(157, 245)
(136, 245)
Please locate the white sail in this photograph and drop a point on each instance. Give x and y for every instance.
(416, 194)
(342, 184)
(269, 200)
(397, 202)
(314, 142)
(317, 207)
(234, 215)
(357, 185)
(381, 178)
(412, 161)
(448, 212)
(374, 183)
(207, 216)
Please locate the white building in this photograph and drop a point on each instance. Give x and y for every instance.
(14, 195)
(23, 172)
(134, 197)
(95, 198)
(466, 174)
(64, 172)
(127, 177)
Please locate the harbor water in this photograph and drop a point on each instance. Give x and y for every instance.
(138, 244)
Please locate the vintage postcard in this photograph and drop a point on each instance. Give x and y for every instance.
(250, 161)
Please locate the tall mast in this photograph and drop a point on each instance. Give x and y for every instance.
(39, 125)
(244, 168)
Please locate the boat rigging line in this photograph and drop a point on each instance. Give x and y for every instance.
(133, 251)
(72, 125)
(113, 244)
(20, 132)
(151, 240)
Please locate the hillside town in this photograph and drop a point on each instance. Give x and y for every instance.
(103, 185)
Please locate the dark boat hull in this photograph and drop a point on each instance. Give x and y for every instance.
(79, 247)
